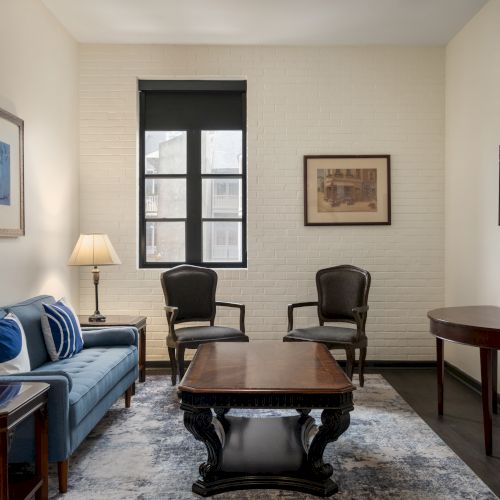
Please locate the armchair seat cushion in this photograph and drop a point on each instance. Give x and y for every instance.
(206, 333)
(94, 372)
(330, 334)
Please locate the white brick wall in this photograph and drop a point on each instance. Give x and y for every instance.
(340, 100)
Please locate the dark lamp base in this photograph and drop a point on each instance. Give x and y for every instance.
(97, 318)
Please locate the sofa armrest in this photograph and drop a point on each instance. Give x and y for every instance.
(109, 337)
(40, 374)
(58, 405)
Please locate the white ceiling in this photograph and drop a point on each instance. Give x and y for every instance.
(265, 22)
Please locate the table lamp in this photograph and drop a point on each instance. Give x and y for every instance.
(94, 250)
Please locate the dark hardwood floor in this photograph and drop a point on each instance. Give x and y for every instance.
(461, 426)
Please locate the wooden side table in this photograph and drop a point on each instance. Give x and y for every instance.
(138, 322)
(477, 326)
(19, 400)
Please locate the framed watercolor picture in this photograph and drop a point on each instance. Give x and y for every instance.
(347, 190)
(11, 175)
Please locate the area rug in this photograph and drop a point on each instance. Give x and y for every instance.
(146, 453)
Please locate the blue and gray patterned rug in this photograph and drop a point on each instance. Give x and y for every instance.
(145, 453)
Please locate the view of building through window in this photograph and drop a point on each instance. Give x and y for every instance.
(166, 197)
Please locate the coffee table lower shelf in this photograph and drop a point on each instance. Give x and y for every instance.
(269, 452)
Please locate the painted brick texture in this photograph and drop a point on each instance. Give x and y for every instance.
(336, 100)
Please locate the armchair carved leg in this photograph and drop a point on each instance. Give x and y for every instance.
(173, 364)
(334, 424)
(199, 423)
(180, 360)
(351, 360)
(362, 357)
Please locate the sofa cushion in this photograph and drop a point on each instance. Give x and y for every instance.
(14, 356)
(94, 373)
(29, 313)
(61, 330)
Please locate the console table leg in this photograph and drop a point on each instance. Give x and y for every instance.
(440, 373)
(42, 452)
(4, 465)
(494, 375)
(334, 424)
(486, 385)
(142, 354)
(199, 423)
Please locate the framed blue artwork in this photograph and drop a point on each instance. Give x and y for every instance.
(11, 175)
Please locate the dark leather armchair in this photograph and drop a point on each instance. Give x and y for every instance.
(190, 296)
(342, 298)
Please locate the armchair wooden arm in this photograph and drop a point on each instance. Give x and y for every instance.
(291, 307)
(360, 314)
(241, 307)
(171, 313)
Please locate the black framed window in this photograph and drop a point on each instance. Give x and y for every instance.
(192, 161)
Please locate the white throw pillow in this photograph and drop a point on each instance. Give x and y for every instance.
(14, 356)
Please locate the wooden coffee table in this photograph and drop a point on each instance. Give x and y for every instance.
(275, 452)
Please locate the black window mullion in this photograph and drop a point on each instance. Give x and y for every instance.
(193, 221)
(142, 182)
(244, 178)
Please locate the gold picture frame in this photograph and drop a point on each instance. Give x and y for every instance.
(345, 190)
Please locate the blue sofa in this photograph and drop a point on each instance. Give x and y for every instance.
(82, 388)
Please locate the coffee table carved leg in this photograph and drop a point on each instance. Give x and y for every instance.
(303, 411)
(199, 423)
(221, 412)
(334, 424)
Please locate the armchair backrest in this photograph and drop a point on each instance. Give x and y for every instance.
(191, 289)
(341, 288)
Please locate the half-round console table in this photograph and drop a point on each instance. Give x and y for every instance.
(477, 326)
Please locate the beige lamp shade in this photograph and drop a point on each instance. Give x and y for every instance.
(93, 250)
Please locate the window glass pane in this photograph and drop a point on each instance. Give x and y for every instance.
(222, 198)
(165, 198)
(221, 151)
(165, 242)
(165, 152)
(222, 241)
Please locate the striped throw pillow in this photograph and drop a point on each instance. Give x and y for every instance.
(61, 330)
(13, 349)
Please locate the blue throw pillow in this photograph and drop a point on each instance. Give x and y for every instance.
(13, 349)
(61, 330)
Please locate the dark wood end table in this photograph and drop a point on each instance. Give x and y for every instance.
(477, 326)
(279, 452)
(19, 400)
(138, 322)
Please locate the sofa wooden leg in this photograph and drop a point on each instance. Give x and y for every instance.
(62, 473)
(128, 397)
